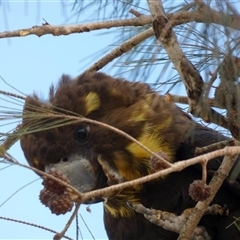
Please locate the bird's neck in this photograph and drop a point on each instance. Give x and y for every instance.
(118, 206)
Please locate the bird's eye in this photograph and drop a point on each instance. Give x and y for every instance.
(81, 134)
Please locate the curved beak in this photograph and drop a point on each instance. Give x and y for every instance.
(79, 171)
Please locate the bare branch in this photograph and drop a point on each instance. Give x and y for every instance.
(121, 49)
(201, 206)
(172, 222)
(203, 15)
(184, 100)
(80, 28)
(212, 16)
(164, 33)
(176, 167)
(191, 78)
(214, 146)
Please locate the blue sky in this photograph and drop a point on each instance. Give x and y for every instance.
(32, 64)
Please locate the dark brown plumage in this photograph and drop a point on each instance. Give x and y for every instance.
(76, 149)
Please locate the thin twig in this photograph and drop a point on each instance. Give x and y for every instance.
(135, 12)
(204, 171)
(176, 167)
(33, 225)
(13, 194)
(214, 146)
(60, 235)
(10, 140)
(87, 226)
(184, 100)
(12, 95)
(208, 86)
(82, 119)
(41, 173)
(201, 206)
(121, 49)
(77, 231)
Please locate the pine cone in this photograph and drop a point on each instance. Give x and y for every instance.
(199, 190)
(54, 186)
(60, 204)
(45, 196)
(54, 195)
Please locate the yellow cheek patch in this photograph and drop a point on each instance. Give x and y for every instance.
(152, 99)
(36, 162)
(120, 208)
(148, 140)
(115, 92)
(117, 206)
(152, 140)
(149, 98)
(92, 102)
(141, 112)
(166, 121)
(133, 169)
(123, 165)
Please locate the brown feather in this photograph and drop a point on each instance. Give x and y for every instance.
(139, 111)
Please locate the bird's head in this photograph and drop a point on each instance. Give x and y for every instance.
(93, 156)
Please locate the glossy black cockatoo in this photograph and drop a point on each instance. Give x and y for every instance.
(133, 107)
